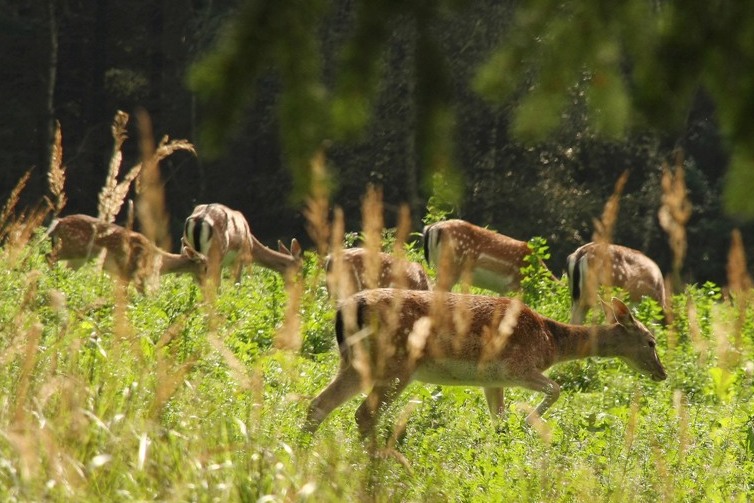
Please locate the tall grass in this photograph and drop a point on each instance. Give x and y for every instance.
(108, 395)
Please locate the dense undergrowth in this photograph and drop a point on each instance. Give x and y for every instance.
(106, 397)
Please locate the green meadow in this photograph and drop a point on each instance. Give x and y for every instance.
(110, 395)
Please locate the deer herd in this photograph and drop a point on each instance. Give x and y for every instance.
(393, 324)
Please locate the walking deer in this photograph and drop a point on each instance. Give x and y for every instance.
(224, 236)
(129, 255)
(455, 247)
(388, 338)
(356, 269)
(593, 265)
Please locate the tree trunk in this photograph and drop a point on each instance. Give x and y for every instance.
(52, 72)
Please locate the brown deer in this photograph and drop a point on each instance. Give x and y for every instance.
(494, 261)
(224, 236)
(388, 338)
(593, 265)
(351, 274)
(129, 255)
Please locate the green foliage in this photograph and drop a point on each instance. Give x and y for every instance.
(252, 42)
(168, 398)
(442, 203)
(538, 283)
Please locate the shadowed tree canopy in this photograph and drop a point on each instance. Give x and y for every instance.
(635, 64)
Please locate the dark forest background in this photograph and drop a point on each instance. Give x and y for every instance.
(79, 61)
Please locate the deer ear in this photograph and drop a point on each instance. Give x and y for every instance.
(295, 248)
(192, 254)
(620, 313)
(282, 248)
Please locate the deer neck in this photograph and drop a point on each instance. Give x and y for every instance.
(577, 341)
(271, 259)
(173, 263)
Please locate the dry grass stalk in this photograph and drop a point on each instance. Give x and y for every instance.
(698, 342)
(56, 173)
(399, 430)
(237, 368)
(603, 236)
(150, 201)
(402, 233)
(739, 282)
(372, 223)
(338, 273)
(727, 352)
(113, 193)
(496, 338)
(169, 377)
(604, 227)
(633, 421)
(11, 203)
(543, 429)
(681, 408)
(288, 335)
(33, 337)
(318, 205)
(674, 213)
(18, 233)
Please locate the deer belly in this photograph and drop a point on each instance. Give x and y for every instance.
(463, 373)
(491, 280)
(229, 258)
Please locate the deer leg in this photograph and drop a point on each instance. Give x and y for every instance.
(345, 385)
(551, 390)
(238, 270)
(381, 396)
(496, 402)
(214, 274)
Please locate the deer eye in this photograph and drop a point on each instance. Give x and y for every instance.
(651, 343)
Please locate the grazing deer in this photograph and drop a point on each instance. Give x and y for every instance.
(454, 247)
(351, 275)
(593, 265)
(388, 338)
(224, 236)
(129, 255)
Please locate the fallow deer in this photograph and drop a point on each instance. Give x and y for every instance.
(224, 236)
(129, 255)
(388, 338)
(593, 265)
(494, 260)
(351, 275)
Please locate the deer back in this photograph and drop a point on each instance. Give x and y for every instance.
(593, 265)
(128, 254)
(360, 269)
(214, 230)
(453, 329)
(493, 260)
